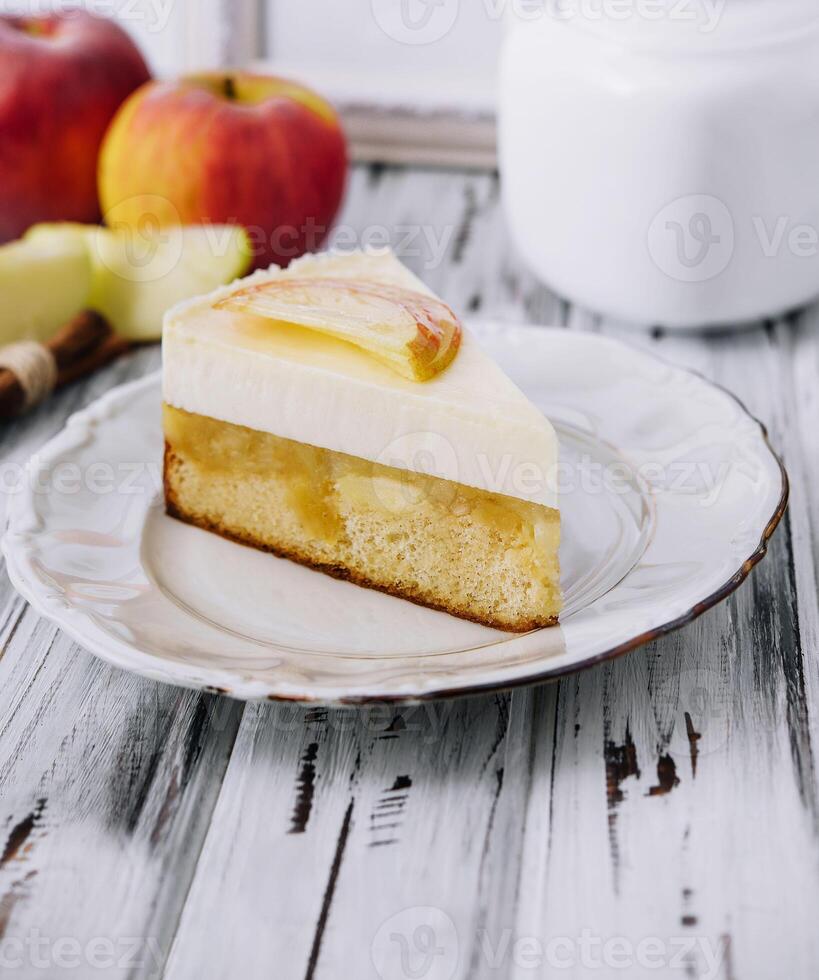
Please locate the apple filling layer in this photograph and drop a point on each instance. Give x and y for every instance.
(479, 555)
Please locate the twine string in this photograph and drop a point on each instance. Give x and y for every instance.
(34, 367)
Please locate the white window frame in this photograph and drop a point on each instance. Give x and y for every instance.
(223, 33)
(384, 125)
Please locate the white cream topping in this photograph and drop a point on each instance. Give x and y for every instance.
(469, 424)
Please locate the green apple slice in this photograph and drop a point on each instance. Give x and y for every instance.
(139, 275)
(44, 284)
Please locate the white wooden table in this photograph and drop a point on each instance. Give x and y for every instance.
(658, 816)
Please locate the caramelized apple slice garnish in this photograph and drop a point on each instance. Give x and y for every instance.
(414, 334)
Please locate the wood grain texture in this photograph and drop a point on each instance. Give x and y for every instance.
(658, 816)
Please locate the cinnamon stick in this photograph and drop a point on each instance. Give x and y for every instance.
(108, 350)
(80, 347)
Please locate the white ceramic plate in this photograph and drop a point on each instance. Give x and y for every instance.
(670, 492)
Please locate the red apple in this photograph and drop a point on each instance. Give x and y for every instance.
(62, 78)
(228, 149)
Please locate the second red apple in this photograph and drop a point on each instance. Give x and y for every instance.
(228, 148)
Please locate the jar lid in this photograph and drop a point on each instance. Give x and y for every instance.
(695, 25)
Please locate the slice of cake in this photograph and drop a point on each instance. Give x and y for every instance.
(338, 414)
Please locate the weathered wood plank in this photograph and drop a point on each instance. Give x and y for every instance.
(106, 783)
(798, 432)
(278, 836)
(329, 826)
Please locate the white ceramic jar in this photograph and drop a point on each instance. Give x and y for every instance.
(660, 158)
